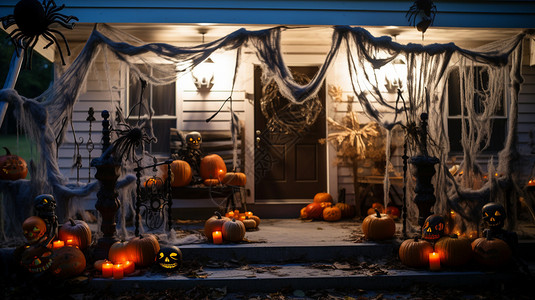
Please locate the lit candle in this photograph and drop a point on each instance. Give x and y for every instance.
(249, 214)
(531, 182)
(242, 217)
(57, 244)
(118, 271)
(230, 214)
(217, 237)
(107, 269)
(70, 242)
(220, 175)
(129, 267)
(434, 261)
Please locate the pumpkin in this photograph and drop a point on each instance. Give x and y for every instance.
(393, 212)
(322, 197)
(314, 211)
(233, 231)
(332, 213)
(213, 167)
(67, 262)
(153, 183)
(235, 178)
(211, 182)
(214, 223)
(378, 226)
(491, 252)
(169, 257)
(98, 264)
(142, 250)
(415, 252)
(378, 206)
(303, 214)
(76, 230)
(249, 223)
(453, 251)
(433, 228)
(36, 258)
(348, 211)
(118, 252)
(256, 219)
(12, 167)
(180, 173)
(34, 229)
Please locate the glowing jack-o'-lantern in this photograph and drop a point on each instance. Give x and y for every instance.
(494, 215)
(12, 167)
(433, 228)
(34, 229)
(169, 258)
(36, 258)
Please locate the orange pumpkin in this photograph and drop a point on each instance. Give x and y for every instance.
(98, 264)
(332, 213)
(34, 229)
(180, 173)
(67, 262)
(233, 231)
(256, 219)
(12, 167)
(415, 252)
(153, 182)
(235, 178)
(142, 250)
(303, 214)
(213, 167)
(453, 251)
(118, 252)
(314, 211)
(378, 226)
(76, 230)
(322, 197)
(491, 252)
(393, 212)
(214, 223)
(376, 205)
(348, 211)
(211, 182)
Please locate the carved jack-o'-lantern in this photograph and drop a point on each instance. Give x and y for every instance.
(494, 215)
(169, 258)
(33, 228)
(36, 258)
(194, 140)
(433, 228)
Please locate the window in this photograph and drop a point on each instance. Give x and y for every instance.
(481, 86)
(162, 100)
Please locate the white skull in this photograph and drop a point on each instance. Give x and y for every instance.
(194, 140)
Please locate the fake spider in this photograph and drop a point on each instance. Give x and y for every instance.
(33, 20)
(130, 138)
(426, 9)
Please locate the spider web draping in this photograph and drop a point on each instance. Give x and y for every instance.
(426, 67)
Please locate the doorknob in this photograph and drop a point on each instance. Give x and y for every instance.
(258, 132)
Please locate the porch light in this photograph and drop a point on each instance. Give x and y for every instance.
(203, 73)
(396, 76)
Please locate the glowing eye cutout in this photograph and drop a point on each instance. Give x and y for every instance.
(161, 255)
(173, 256)
(35, 229)
(191, 139)
(497, 213)
(45, 201)
(198, 139)
(486, 215)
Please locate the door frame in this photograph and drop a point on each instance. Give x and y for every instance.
(298, 60)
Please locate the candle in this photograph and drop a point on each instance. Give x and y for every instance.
(57, 244)
(220, 175)
(434, 261)
(249, 214)
(531, 182)
(70, 242)
(107, 269)
(242, 217)
(217, 237)
(129, 267)
(118, 271)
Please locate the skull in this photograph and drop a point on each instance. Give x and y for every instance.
(433, 228)
(33, 229)
(37, 258)
(194, 140)
(169, 257)
(45, 204)
(494, 215)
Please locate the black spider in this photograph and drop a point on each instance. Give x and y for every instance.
(425, 7)
(33, 20)
(130, 138)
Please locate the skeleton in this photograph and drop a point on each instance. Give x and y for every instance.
(191, 153)
(45, 206)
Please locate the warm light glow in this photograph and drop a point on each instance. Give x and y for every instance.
(249, 214)
(203, 75)
(217, 237)
(230, 214)
(107, 270)
(129, 267)
(70, 242)
(434, 261)
(57, 244)
(531, 182)
(452, 213)
(118, 271)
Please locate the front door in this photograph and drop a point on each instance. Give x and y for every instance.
(290, 163)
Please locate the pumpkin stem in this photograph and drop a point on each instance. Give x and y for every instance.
(217, 214)
(378, 214)
(72, 222)
(7, 151)
(416, 238)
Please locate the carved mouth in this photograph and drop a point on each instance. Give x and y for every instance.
(169, 265)
(431, 236)
(41, 268)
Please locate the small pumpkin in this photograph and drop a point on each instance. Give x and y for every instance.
(233, 231)
(303, 214)
(453, 251)
(12, 167)
(67, 262)
(34, 229)
(378, 226)
(491, 252)
(348, 211)
(118, 252)
(249, 223)
(76, 230)
(213, 167)
(153, 183)
(322, 197)
(211, 182)
(376, 205)
(235, 178)
(314, 211)
(393, 212)
(98, 264)
(180, 173)
(332, 213)
(256, 219)
(214, 223)
(142, 249)
(415, 252)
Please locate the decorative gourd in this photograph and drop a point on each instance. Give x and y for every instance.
(34, 229)
(393, 212)
(118, 252)
(249, 223)
(453, 251)
(76, 230)
(142, 250)
(211, 182)
(415, 252)
(332, 213)
(256, 219)
(12, 167)
(378, 226)
(491, 252)
(214, 223)
(213, 167)
(180, 173)
(314, 211)
(322, 197)
(67, 262)
(233, 231)
(235, 178)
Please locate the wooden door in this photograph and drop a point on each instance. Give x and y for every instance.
(291, 163)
